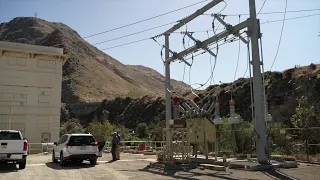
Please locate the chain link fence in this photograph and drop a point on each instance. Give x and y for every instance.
(301, 143)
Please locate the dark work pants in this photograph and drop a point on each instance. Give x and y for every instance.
(113, 151)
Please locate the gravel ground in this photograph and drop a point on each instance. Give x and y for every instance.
(133, 167)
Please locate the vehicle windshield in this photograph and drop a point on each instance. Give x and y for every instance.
(9, 135)
(81, 140)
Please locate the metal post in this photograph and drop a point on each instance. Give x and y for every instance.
(234, 143)
(217, 144)
(259, 103)
(168, 96)
(10, 118)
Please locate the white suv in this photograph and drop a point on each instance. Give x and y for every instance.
(77, 148)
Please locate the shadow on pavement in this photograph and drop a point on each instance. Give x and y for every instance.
(111, 161)
(275, 174)
(7, 168)
(186, 174)
(57, 166)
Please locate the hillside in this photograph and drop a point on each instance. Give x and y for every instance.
(282, 90)
(89, 75)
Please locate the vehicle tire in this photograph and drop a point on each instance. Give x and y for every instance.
(22, 164)
(62, 161)
(93, 162)
(54, 160)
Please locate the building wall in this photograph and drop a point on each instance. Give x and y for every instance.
(30, 95)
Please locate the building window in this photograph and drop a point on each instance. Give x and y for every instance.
(17, 122)
(13, 99)
(44, 95)
(16, 61)
(49, 64)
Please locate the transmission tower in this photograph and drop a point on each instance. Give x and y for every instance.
(253, 31)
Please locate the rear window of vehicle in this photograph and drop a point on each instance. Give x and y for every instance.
(9, 135)
(81, 140)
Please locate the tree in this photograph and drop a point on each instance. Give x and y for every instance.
(71, 126)
(244, 138)
(156, 130)
(304, 118)
(104, 129)
(142, 130)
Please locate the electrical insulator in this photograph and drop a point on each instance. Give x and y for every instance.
(176, 109)
(269, 118)
(176, 100)
(217, 119)
(233, 119)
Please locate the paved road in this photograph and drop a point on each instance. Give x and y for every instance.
(133, 167)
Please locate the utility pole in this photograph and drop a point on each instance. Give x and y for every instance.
(167, 96)
(258, 96)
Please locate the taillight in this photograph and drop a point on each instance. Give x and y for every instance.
(25, 146)
(68, 145)
(95, 144)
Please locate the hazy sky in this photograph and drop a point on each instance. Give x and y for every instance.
(300, 41)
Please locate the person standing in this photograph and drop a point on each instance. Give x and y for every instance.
(115, 141)
(118, 147)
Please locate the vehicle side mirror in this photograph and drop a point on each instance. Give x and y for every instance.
(55, 143)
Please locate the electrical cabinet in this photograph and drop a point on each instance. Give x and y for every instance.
(200, 130)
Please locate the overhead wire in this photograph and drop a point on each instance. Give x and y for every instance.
(280, 38)
(183, 42)
(216, 55)
(235, 73)
(264, 2)
(212, 70)
(266, 22)
(147, 19)
(268, 13)
(139, 32)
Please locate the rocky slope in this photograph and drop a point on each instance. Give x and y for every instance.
(89, 74)
(282, 89)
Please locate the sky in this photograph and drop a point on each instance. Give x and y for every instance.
(300, 42)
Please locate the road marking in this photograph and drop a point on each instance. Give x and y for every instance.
(130, 160)
(121, 160)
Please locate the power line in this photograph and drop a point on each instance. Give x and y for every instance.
(267, 13)
(132, 42)
(235, 72)
(264, 2)
(298, 17)
(146, 30)
(133, 33)
(267, 22)
(284, 17)
(139, 32)
(137, 22)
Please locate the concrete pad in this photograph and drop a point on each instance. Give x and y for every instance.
(289, 164)
(213, 167)
(170, 166)
(252, 166)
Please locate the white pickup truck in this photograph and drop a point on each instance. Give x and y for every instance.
(13, 148)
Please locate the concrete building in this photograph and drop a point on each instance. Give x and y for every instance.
(30, 90)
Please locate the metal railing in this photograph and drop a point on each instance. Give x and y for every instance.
(35, 148)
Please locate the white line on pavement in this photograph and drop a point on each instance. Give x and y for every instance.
(121, 160)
